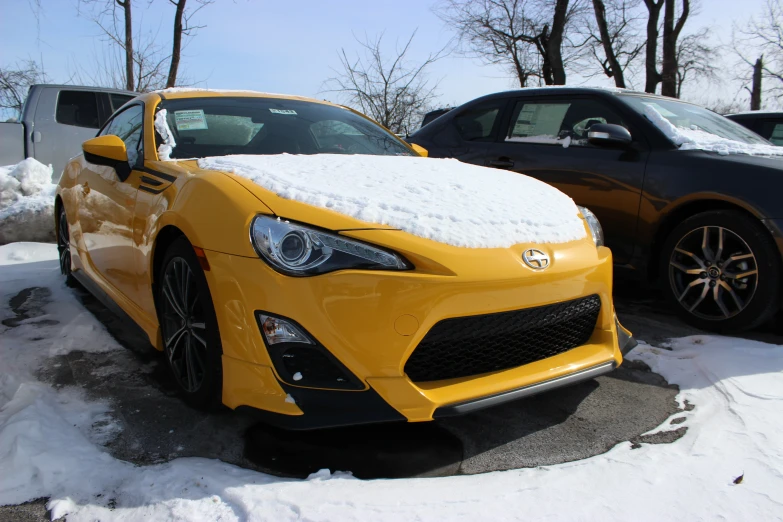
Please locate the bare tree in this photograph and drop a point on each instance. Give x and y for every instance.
(390, 89)
(671, 32)
(755, 90)
(182, 26)
(616, 41)
(530, 37)
(696, 59)
(653, 77)
(138, 60)
(763, 35)
(15, 81)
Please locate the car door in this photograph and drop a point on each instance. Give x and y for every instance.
(771, 129)
(546, 137)
(466, 133)
(106, 209)
(58, 135)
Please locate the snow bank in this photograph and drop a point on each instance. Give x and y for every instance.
(440, 199)
(51, 446)
(697, 139)
(26, 202)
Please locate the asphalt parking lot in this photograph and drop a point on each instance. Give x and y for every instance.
(560, 426)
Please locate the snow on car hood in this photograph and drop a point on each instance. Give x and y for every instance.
(444, 200)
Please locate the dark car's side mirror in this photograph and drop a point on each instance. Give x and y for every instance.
(608, 134)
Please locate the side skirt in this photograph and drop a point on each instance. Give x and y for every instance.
(92, 287)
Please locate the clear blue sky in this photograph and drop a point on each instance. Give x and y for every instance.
(286, 46)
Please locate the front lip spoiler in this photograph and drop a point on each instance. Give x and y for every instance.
(526, 391)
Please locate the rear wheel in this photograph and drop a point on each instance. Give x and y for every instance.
(721, 271)
(189, 327)
(64, 247)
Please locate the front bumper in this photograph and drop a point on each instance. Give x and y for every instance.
(372, 322)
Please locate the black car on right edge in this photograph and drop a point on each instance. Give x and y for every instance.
(707, 225)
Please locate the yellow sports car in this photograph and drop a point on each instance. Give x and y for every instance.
(292, 256)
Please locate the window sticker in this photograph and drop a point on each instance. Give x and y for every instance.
(190, 120)
(283, 111)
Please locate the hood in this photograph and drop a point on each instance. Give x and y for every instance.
(443, 200)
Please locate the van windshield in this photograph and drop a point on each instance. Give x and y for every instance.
(203, 127)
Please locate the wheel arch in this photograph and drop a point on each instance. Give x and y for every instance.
(683, 210)
(163, 240)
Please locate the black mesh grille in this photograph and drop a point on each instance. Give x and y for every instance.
(464, 346)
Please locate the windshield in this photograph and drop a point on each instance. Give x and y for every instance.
(687, 117)
(204, 127)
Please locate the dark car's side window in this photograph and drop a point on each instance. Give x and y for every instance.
(558, 122)
(773, 131)
(77, 108)
(128, 125)
(479, 123)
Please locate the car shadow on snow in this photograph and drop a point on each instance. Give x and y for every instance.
(559, 426)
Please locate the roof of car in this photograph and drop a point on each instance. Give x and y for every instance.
(178, 93)
(755, 114)
(84, 88)
(568, 90)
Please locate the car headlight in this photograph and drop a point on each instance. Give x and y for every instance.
(302, 251)
(595, 226)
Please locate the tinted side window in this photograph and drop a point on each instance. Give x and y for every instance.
(478, 123)
(78, 108)
(118, 100)
(558, 122)
(128, 125)
(773, 131)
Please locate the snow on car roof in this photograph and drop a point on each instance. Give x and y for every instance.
(444, 200)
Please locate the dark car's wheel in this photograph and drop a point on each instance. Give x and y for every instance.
(63, 247)
(722, 271)
(189, 327)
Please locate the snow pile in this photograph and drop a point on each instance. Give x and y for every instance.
(26, 202)
(162, 127)
(697, 139)
(440, 199)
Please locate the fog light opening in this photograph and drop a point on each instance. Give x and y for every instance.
(277, 330)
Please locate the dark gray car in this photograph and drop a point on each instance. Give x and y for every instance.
(706, 224)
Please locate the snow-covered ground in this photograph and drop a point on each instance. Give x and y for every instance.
(26, 202)
(51, 444)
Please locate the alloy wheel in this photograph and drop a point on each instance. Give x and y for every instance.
(63, 244)
(184, 326)
(713, 273)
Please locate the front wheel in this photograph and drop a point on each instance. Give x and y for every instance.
(64, 247)
(189, 327)
(721, 271)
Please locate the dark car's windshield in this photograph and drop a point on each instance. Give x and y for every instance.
(203, 127)
(692, 117)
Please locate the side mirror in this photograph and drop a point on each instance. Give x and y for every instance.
(608, 134)
(420, 150)
(109, 151)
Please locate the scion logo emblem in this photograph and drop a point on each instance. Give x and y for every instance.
(535, 259)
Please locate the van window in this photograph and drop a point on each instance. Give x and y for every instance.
(118, 100)
(77, 108)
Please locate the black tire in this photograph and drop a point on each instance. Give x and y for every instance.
(731, 285)
(63, 234)
(190, 333)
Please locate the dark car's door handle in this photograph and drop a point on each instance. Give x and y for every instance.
(501, 163)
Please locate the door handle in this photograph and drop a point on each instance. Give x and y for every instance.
(85, 188)
(501, 163)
